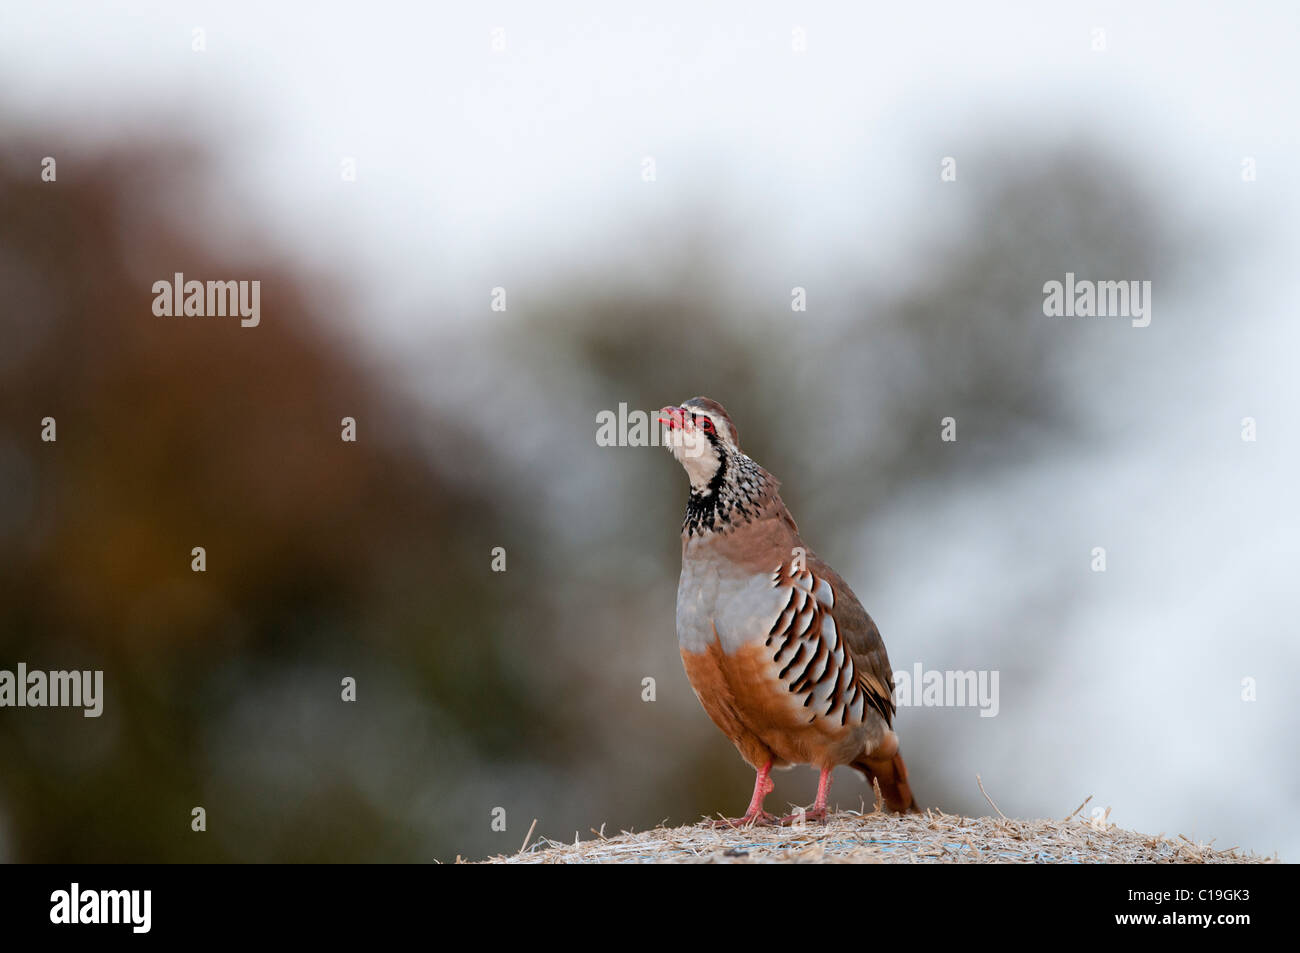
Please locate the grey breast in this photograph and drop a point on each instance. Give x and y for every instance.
(718, 594)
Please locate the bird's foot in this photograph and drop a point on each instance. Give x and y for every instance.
(753, 819)
(814, 815)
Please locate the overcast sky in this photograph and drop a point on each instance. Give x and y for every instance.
(487, 164)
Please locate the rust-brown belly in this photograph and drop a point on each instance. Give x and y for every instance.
(753, 708)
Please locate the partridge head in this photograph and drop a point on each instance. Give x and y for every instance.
(779, 651)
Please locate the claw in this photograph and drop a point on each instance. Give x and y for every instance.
(755, 815)
(817, 813)
(761, 819)
(815, 816)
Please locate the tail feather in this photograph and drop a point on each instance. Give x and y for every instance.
(891, 774)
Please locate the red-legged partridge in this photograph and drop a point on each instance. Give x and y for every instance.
(778, 649)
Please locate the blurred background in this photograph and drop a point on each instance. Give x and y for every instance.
(506, 147)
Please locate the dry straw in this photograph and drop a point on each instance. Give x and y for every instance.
(875, 837)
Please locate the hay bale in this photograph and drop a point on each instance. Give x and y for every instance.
(851, 837)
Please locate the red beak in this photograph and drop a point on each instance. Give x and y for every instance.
(675, 417)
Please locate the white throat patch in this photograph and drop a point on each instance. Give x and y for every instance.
(696, 455)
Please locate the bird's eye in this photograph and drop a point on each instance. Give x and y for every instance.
(706, 423)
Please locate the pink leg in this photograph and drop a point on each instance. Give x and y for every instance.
(818, 811)
(755, 814)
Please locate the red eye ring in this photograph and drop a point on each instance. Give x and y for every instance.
(707, 424)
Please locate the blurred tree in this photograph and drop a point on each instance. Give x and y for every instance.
(325, 558)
